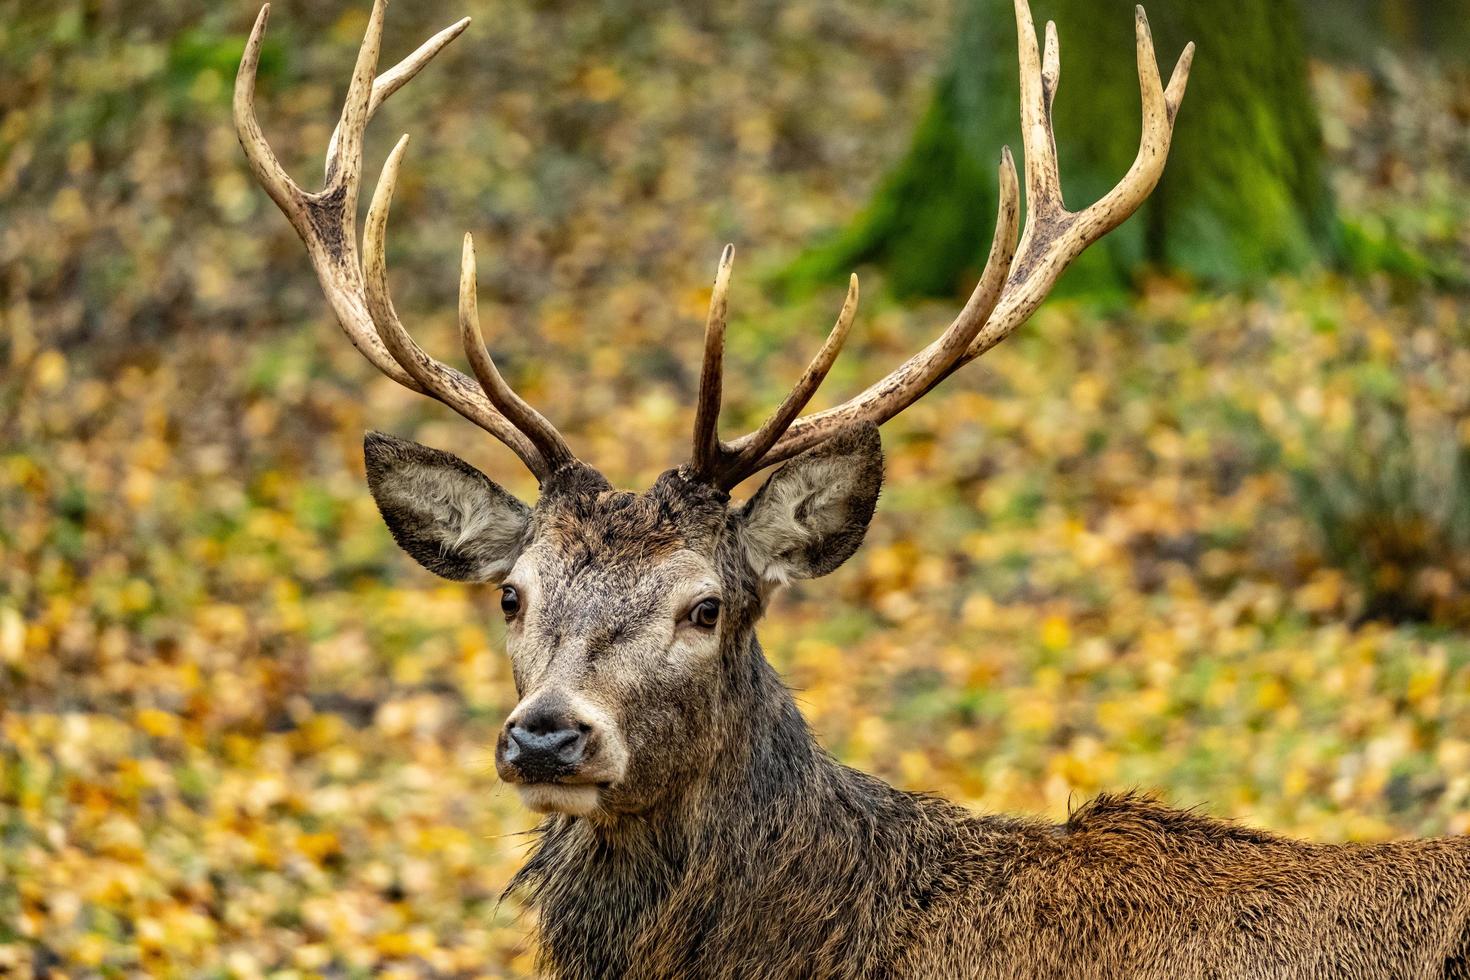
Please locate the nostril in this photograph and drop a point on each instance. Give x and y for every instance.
(555, 740)
(565, 744)
(545, 740)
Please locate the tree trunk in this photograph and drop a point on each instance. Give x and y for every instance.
(1357, 30)
(1244, 193)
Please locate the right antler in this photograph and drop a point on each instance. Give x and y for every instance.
(1015, 280)
(326, 220)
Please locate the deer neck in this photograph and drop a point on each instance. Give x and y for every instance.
(643, 894)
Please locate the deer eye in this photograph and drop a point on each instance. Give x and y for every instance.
(510, 601)
(705, 614)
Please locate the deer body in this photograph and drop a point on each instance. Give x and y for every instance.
(694, 827)
(807, 868)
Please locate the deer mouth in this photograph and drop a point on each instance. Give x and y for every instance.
(573, 799)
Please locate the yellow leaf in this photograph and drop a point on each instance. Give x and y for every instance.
(1055, 633)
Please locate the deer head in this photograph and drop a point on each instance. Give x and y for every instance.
(630, 614)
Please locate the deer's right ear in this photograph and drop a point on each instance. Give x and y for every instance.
(453, 519)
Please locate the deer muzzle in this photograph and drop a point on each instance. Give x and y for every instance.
(556, 739)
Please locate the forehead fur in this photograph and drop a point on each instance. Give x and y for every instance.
(582, 515)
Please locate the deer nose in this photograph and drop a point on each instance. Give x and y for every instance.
(544, 744)
(563, 743)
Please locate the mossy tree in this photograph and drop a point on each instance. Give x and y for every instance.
(1244, 194)
(1357, 30)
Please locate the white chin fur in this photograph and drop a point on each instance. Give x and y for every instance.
(578, 801)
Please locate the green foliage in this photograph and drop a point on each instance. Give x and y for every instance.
(1360, 29)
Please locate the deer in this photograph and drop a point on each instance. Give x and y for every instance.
(693, 825)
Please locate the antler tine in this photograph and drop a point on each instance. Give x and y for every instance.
(1038, 88)
(523, 416)
(1159, 108)
(707, 447)
(909, 381)
(747, 460)
(395, 78)
(1020, 276)
(1051, 64)
(344, 167)
(434, 378)
(258, 153)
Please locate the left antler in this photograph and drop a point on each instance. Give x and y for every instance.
(1015, 280)
(357, 290)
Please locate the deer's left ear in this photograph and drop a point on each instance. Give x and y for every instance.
(811, 515)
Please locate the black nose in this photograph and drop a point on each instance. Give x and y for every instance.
(544, 745)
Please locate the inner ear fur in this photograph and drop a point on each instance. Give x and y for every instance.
(813, 512)
(450, 517)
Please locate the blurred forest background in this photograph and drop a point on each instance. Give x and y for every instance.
(1201, 533)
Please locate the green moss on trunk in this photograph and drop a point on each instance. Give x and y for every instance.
(1244, 194)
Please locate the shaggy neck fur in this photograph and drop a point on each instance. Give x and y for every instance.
(781, 855)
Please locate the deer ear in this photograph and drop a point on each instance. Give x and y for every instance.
(453, 519)
(811, 515)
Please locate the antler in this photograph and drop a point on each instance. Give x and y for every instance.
(1015, 280)
(357, 291)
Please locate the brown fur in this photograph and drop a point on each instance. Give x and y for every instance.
(733, 846)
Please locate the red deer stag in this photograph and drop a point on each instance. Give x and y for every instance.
(694, 826)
